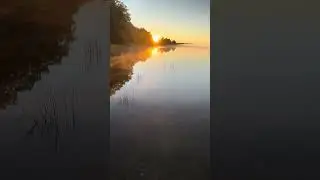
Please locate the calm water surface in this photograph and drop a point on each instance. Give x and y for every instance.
(53, 90)
(266, 88)
(160, 113)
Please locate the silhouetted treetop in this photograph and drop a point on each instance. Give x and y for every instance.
(122, 31)
(166, 41)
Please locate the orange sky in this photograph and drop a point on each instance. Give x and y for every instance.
(185, 21)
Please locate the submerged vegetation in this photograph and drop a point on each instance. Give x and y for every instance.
(124, 32)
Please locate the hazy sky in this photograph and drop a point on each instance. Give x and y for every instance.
(182, 20)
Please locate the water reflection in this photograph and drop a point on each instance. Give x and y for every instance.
(160, 112)
(33, 36)
(166, 49)
(51, 59)
(122, 62)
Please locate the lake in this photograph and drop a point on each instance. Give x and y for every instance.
(54, 93)
(56, 88)
(160, 113)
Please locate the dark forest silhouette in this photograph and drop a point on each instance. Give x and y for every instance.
(34, 35)
(124, 32)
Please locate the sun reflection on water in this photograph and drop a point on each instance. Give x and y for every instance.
(155, 51)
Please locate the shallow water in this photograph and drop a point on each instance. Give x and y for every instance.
(160, 113)
(53, 91)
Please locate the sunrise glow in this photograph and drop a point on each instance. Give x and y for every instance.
(155, 38)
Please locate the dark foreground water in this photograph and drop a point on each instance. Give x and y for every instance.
(266, 88)
(160, 113)
(53, 88)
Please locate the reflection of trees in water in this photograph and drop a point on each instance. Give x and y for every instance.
(122, 62)
(34, 34)
(121, 66)
(166, 49)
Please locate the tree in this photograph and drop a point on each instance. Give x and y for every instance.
(124, 32)
(119, 22)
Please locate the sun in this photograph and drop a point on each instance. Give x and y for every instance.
(155, 38)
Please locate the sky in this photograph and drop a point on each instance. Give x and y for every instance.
(186, 21)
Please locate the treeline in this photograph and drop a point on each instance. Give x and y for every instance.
(122, 31)
(166, 41)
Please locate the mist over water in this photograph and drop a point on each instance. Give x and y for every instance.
(160, 113)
